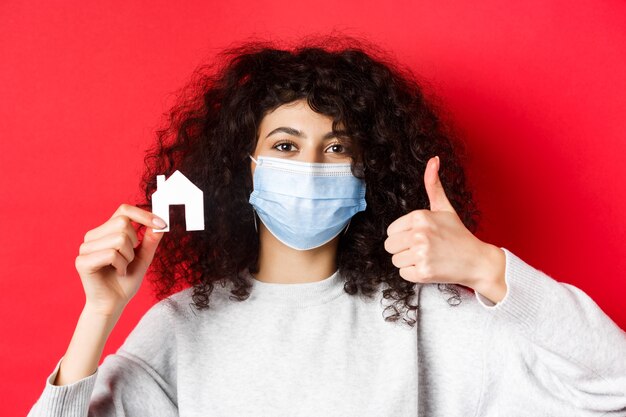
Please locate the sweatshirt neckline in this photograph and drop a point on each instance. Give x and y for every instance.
(297, 294)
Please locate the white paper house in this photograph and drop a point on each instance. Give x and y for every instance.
(177, 189)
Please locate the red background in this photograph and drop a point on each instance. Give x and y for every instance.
(537, 89)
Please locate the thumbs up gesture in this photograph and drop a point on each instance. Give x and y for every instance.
(434, 246)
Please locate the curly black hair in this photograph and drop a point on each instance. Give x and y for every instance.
(212, 128)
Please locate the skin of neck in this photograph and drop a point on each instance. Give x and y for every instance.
(281, 264)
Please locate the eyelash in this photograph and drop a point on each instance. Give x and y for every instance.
(288, 142)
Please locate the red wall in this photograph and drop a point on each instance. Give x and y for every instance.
(536, 88)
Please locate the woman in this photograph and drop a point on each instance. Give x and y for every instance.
(333, 196)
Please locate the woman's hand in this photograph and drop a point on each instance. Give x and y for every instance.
(110, 269)
(434, 246)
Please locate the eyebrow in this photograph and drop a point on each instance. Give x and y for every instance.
(300, 134)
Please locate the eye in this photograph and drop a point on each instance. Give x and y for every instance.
(338, 148)
(283, 146)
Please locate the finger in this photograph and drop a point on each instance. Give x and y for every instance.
(115, 225)
(405, 258)
(404, 240)
(147, 248)
(409, 273)
(119, 241)
(121, 220)
(436, 194)
(414, 219)
(140, 216)
(95, 261)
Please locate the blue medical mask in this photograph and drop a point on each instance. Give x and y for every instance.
(305, 204)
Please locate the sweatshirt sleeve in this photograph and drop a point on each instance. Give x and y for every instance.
(135, 381)
(578, 353)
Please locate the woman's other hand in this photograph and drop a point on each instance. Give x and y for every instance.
(434, 246)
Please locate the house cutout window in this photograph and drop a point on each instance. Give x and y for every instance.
(178, 190)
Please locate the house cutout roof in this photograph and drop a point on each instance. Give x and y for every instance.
(178, 189)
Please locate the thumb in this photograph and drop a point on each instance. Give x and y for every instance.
(148, 247)
(436, 194)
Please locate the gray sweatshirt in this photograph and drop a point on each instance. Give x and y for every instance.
(311, 349)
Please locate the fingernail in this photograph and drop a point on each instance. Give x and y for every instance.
(159, 222)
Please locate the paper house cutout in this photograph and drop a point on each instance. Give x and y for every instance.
(177, 189)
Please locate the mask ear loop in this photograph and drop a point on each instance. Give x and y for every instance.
(346, 229)
(253, 210)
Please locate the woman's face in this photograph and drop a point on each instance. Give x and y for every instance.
(294, 131)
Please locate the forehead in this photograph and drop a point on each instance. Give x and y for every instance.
(296, 114)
